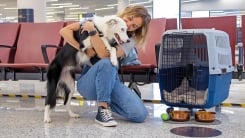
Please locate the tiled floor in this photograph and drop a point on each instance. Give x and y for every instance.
(23, 117)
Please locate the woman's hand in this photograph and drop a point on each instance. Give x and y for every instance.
(96, 42)
(88, 26)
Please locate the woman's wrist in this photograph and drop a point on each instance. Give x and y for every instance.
(92, 33)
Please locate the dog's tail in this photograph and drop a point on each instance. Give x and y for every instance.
(53, 76)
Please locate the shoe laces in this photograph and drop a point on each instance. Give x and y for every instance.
(106, 114)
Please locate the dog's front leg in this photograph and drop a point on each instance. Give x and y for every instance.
(113, 56)
(112, 51)
(47, 111)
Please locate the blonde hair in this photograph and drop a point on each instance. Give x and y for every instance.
(140, 33)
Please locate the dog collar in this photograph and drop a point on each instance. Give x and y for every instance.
(100, 33)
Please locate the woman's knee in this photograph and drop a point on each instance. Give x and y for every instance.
(106, 65)
(138, 116)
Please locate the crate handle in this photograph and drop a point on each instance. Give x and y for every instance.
(223, 70)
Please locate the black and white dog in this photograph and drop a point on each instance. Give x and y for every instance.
(61, 71)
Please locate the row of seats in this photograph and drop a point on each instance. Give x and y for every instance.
(22, 48)
(21, 43)
(21, 54)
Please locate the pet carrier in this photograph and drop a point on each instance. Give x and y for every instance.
(195, 68)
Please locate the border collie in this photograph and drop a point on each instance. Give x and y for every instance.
(61, 71)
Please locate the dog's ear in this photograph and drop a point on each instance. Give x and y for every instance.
(112, 22)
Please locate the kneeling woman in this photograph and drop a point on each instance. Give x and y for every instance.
(101, 82)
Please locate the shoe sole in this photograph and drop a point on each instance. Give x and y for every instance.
(107, 124)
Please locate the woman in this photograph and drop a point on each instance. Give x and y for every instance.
(101, 81)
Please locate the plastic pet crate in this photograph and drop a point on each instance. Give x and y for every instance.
(195, 68)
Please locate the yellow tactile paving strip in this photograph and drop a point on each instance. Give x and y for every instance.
(81, 98)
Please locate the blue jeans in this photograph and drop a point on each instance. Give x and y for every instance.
(101, 83)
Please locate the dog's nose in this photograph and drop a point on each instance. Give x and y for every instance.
(128, 41)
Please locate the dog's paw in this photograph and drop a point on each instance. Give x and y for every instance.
(113, 56)
(114, 62)
(47, 119)
(73, 115)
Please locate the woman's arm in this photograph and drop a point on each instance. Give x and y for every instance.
(99, 46)
(67, 34)
(97, 43)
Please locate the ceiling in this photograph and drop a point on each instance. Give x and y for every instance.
(72, 9)
(68, 9)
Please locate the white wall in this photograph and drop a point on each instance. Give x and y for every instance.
(214, 5)
(165, 8)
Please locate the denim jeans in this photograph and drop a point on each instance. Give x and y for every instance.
(101, 83)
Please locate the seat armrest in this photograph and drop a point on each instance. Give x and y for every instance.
(157, 50)
(44, 51)
(6, 46)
